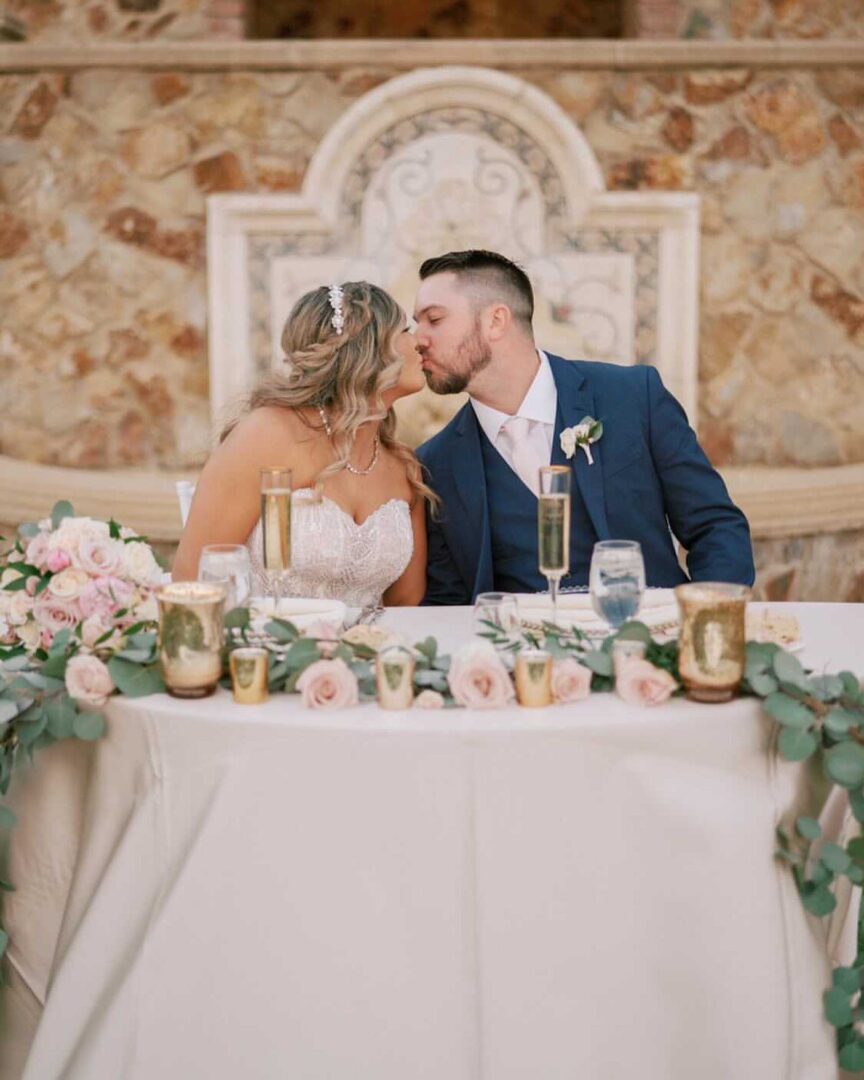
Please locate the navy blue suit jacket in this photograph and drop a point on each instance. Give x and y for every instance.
(649, 473)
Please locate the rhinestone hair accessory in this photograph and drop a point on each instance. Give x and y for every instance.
(337, 320)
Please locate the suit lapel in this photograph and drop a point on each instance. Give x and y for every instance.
(469, 478)
(575, 400)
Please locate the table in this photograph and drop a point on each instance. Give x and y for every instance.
(269, 892)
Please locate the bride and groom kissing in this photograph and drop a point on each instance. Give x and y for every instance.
(459, 517)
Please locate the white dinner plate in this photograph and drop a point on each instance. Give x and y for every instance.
(301, 611)
(658, 609)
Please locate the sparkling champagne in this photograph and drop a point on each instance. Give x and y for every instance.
(276, 528)
(553, 534)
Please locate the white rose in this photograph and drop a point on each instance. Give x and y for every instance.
(147, 610)
(140, 564)
(30, 635)
(8, 576)
(68, 584)
(71, 532)
(101, 556)
(568, 441)
(88, 681)
(20, 606)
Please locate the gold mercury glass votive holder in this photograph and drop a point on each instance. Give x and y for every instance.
(534, 678)
(626, 649)
(394, 677)
(248, 667)
(191, 637)
(711, 643)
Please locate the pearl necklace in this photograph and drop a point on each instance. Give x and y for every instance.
(351, 468)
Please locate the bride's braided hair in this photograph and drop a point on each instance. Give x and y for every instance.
(345, 373)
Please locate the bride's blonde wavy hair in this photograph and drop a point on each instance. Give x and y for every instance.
(345, 374)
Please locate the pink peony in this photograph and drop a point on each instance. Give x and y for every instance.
(88, 681)
(640, 683)
(571, 681)
(429, 699)
(328, 684)
(478, 679)
(56, 560)
(37, 550)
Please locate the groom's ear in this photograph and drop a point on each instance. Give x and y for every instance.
(499, 320)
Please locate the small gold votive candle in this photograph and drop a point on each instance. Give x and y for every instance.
(534, 678)
(711, 644)
(394, 677)
(248, 667)
(191, 637)
(626, 649)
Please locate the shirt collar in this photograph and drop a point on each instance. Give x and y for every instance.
(540, 403)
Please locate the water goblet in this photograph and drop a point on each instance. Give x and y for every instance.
(616, 580)
(497, 611)
(229, 564)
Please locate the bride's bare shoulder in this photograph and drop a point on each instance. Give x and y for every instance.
(269, 425)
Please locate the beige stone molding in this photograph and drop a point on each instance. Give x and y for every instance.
(780, 503)
(407, 54)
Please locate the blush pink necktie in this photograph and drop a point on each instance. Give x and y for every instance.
(516, 444)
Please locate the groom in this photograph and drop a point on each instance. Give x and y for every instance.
(649, 474)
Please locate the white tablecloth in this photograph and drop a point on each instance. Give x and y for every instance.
(266, 892)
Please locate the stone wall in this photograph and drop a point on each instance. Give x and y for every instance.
(103, 177)
(803, 19)
(60, 22)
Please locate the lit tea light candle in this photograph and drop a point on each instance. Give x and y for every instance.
(534, 678)
(248, 668)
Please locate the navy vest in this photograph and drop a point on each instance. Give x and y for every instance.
(513, 529)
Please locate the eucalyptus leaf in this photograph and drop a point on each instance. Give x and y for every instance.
(55, 666)
(135, 680)
(852, 1056)
(847, 979)
(850, 682)
(855, 874)
(7, 818)
(4, 942)
(760, 654)
(89, 726)
(796, 745)
(598, 662)
(61, 717)
(826, 687)
(29, 732)
(821, 875)
(237, 618)
(28, 530)
(15, 663)
(809, 828)
(61, 510)
(838, 1007)
(838, 721)
(787, 711)
(428, 648)
(60, 641)
(634, 631)
(135, 656)
(302, 653)
(762, 684)
(788, 669)
(845, 764)
(855, 847)
(819, 901)
(856, 805)
(8, 710)
(281, 630)
(835, 858)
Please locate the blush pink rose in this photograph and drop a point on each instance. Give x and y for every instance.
(93, 628)
(429, 699)
(328, 684)
(88, 681)
(105, 595)
(101, 556)
(640, 683)
(56, 560)
(37, 550)
(68, 584)
(478, 679)
(325, 635)
(54, 615)
(571, 681)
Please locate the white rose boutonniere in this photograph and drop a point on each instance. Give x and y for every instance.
(587, 431)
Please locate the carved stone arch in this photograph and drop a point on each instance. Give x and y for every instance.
(452, 158)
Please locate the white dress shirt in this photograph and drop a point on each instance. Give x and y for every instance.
(538, 408)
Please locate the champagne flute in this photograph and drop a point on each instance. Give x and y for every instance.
(617, 579)
(553, 528)
(276, 526)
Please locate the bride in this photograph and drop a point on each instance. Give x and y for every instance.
(359, 500)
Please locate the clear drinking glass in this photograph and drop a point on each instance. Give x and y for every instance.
(276, 526)
(616, 580)
(499, 609)
(228, 563)
(553, 528)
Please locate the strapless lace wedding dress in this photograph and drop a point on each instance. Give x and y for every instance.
(334, 557)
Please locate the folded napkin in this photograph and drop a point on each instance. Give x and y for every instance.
(301, 611)
(658, 607)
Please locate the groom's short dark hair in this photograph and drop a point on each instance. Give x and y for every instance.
(492, 276)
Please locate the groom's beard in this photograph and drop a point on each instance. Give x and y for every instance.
(472, 355)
